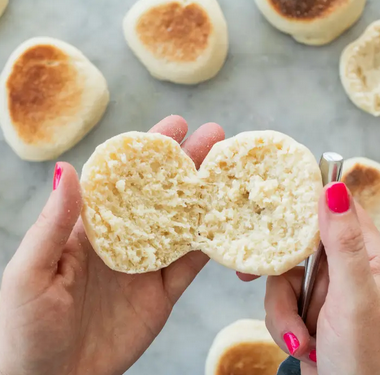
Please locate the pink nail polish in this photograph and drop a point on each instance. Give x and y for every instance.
(337, 198)
(291, 342)
(313, 355)
(57, 176)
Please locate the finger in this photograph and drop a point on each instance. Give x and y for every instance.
(172, 126)
(342, 236)
(179, 275)
(307, 369)
(198, 145)
(246, 277)
(318, 296)
(283, 322)
(42, 247)
(371, 237)
(294, 279)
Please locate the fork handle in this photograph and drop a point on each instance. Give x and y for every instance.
(331, 166)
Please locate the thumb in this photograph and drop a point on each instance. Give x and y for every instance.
(341, 234)
(42, 246)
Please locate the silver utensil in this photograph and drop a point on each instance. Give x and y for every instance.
(331, 166)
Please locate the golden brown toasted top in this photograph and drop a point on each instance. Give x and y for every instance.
(364, 184)
(251, 359)
(42, 87)
(305, 9)
(175, 32)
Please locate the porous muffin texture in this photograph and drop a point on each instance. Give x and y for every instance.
(141, 202)
(252, 206)
(262, 191)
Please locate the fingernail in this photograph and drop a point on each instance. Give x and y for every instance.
(291, 342)
(337, 198)
(57, 176)
(313, 355)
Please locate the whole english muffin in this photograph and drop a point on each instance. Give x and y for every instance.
(181, 41)
(362, 177)
(51, 96)
(252, 206)
(245, 347)
(312, 22)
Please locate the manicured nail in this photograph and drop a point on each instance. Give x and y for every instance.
(313, 355)
(57, 175)
(337, 198)
(291, 342)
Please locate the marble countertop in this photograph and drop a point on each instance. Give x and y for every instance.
(268, 82)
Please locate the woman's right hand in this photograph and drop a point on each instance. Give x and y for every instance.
(344, 314)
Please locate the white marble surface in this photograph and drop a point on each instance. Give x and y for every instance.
(268, 82)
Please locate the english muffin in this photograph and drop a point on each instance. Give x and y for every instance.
(362, 177)
(261, 200)
(244, 348)
(141, 202)
(51, 96)
(181, 41)
(313, 22)
(252, 206)
(359, 70)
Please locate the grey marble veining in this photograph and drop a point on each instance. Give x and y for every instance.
(268, 82)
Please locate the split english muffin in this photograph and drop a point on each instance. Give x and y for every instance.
(252, 206)
(51, 96)
(183, 41)
(313, 22)
(360, 70)
(244, 348)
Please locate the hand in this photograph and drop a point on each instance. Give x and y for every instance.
(62, 311)
(345, 310)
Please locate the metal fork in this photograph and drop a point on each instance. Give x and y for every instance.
(331, 166)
